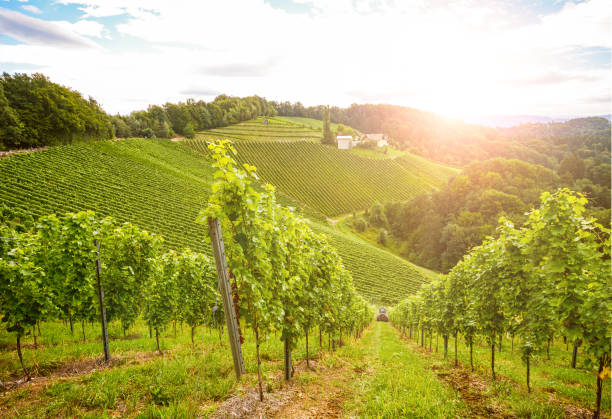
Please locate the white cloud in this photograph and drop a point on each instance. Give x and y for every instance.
(39, 32)
(32, 9)
(457, 58)
(84, 27)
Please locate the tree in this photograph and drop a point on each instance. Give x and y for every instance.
(328, 136)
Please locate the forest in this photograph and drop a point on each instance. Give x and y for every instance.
(36, 112)
(436, 229)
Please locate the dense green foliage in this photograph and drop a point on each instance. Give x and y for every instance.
(549, 276)
(328, 136)
(191, 116)
(287, 278)
(50, 272)
(437, 229)
(329, 180)
(35, 112)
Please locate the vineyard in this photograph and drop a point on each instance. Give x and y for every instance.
(547, 279)
(332, 181)
(160, 186)
(291, 283)
(276, 129)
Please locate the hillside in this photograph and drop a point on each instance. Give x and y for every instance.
(160, 186)
(256, 130)
(329, 180)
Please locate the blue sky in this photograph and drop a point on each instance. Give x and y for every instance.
(461, 58)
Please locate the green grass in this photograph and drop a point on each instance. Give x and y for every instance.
(186, 380)
(160, 186)
(549, 378)
(398, 382)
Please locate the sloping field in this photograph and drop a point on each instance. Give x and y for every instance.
(378, 275)
(256, 130)
(309, 122)
(324, 178)
(433, 172)
(160, 186)
(327, 179)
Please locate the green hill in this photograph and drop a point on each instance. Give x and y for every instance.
(160, 186)
(288, 155)
(327, 179)
(256, 130)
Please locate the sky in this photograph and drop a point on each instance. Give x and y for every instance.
(460, 58)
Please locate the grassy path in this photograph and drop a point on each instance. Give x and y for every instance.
(398, 382)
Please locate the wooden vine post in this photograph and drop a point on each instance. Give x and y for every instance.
(101, 300)
(216, 238)
(287, 359)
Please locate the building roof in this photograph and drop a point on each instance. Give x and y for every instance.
(344, 137)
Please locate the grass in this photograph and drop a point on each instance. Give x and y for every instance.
(399, 382)
(186, 380)
(381, 375)
(555, 386)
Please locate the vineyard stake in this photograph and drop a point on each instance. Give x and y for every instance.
(287, 353)
(101, 300)
(226, 294)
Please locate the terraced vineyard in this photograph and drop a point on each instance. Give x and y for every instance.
(155, 184)
(257, 130)
(330, 180)
(308, 122)
(288, 154)
(160, 186)
(379, 275)
(434, 172)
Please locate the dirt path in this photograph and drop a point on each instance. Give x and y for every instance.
(315, 392)
(21, 151)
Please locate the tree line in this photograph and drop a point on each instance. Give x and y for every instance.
(546, 278)
(36, 112)
(185, 118)
(436, 229)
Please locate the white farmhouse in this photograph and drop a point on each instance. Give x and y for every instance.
(345, 142)
(381, 139)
